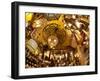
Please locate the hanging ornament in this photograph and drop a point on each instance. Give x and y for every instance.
(52, 41)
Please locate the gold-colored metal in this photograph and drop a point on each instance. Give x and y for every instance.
(56, 40)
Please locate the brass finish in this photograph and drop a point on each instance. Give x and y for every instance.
(56, 40)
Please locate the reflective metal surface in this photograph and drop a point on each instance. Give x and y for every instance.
(54, 40)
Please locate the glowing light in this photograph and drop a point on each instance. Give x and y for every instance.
(28, 16)
(38, 23)
(49, 40)
(69, 24)
(78, 24)
(55, 40)
(66, 55)
(73, 16)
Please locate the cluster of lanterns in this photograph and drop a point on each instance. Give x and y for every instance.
(56, 40)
